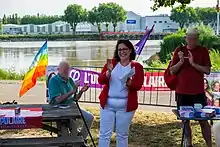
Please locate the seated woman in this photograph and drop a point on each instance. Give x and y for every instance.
(119, 99)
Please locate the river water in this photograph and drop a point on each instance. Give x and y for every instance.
(19, 55)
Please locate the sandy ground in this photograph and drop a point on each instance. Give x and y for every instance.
(9, 91)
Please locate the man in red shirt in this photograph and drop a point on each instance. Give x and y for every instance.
(190, 64)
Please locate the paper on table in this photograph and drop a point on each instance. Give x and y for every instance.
(127, 75)
(64, 107)
(61, 106)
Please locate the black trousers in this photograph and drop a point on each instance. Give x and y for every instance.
(190, 100)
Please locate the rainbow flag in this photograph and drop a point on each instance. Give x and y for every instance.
(36, 70)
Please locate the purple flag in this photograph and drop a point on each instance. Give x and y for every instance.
(140, 45)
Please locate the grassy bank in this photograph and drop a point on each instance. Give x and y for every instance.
(10, 75)
(13, 75)
(147, 130)
(51, 37)
(77, 37)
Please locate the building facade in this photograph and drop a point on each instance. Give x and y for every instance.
(133, 23)
(163, 23)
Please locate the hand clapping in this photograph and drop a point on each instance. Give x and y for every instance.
(85, 87)
(109, 67)
(82, 90)
(129, 82)
(181, 56)
(76, 86)
(191, 61)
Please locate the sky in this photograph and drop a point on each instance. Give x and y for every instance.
(56, 7)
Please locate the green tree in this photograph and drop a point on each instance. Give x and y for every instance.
(39, 19)
(94, 17)
(111, 13)
(4, 20)
(17, 19)
(13, 19)
(207, 15)
(105, 11)
(75, 14)
(169, 3)
(184, 17)
(118, 14)
(9, 19)
(26, 19)
(0, 26)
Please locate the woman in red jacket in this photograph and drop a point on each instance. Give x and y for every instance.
(119, 98)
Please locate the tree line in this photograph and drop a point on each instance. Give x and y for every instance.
(105, 13)
(190, 15)
(29, 19)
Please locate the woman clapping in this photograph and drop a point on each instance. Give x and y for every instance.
(122, 78)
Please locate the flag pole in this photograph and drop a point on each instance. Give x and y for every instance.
(140, 45)
(146, 31)
(137, 57)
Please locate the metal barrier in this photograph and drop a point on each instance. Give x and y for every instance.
(149, 95)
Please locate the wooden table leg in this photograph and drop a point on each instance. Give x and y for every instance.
(63, 126)
(73, 127)
(68, 128)
(64, 130)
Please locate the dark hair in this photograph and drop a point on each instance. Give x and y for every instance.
(129, 45)
(207, 82)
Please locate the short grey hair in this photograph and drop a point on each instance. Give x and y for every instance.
(62, 63)
(192, 31)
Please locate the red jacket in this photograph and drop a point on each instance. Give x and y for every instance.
(137, 82)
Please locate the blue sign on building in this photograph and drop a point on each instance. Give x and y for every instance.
(131, 21)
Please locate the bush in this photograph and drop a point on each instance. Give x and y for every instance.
(215, 60)
(214, 57)
(170, 42)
